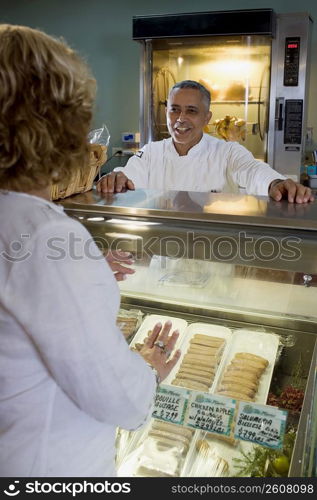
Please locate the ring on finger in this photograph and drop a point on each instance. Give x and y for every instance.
(160, 344)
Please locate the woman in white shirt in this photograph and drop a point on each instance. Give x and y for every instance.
(67, 375)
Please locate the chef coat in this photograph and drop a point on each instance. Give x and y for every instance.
(210, 165)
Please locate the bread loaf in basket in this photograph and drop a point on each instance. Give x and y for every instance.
(83, 180)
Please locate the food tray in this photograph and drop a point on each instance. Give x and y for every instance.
(253, 342)
(125, 437)
(129, 320)
(204, 329)
(198, 465)
(126, 462)
(151, 320)
(138, 447)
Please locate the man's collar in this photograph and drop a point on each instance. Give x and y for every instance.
(193, 150)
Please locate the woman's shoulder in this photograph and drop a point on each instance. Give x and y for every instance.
(32, 216)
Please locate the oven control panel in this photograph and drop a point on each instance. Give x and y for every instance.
(291, 61)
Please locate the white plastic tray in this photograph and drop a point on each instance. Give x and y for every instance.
(194, 466)
(198, 328)
(148, 323)
(130, 462)
(253, 342)
(127, 466)
(151, 320)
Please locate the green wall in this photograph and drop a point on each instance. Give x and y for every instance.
(102, 32)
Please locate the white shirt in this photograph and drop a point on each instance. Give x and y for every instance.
(210, 165)
(67, 376)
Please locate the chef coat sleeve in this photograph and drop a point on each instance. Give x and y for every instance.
(137, 168)
(247, 172)
(68, 305)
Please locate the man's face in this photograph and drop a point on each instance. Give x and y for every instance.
(186, 116)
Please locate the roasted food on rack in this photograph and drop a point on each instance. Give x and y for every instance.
(241, 377)
(231, 128)
(236, 91)
(213, 88)
(199, 364)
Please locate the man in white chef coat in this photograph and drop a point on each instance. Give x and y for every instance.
(191, 160)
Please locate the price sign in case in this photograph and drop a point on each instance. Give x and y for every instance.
(170, 404)
(261, 424)
(210, 413)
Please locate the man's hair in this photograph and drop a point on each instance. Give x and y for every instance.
(191, 84)
(46, 100)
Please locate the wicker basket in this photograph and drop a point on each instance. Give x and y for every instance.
(82, 181)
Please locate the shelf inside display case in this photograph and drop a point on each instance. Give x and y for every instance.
(222, 289)
(182, 274)
(289, 367)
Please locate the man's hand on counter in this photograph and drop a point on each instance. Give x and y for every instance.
(116, 260)
(115, 182)
(290, 190)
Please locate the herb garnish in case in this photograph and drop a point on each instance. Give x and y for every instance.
(265, 462)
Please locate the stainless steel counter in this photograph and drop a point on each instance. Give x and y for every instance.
(205, 207)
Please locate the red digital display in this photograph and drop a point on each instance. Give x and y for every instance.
(292, 45)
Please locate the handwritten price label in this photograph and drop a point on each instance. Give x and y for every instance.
(261, 424)
(170, 404)
(210, 413)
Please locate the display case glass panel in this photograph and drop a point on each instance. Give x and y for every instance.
(238, 263)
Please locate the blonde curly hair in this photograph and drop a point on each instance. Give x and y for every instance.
(46, 101)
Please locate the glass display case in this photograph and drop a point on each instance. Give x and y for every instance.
(233, 261)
